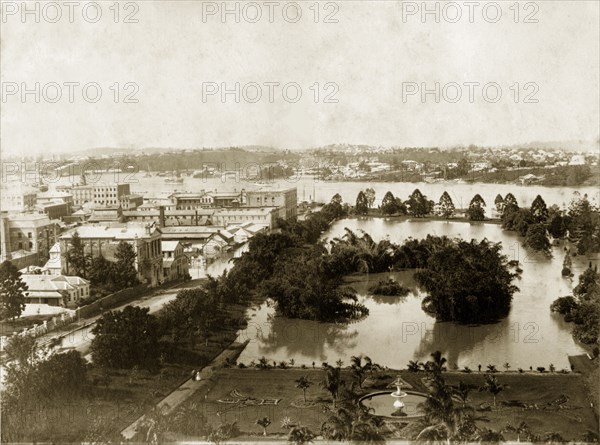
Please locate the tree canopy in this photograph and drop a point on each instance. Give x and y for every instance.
(12, 291)
(468, 282)
(127, 338)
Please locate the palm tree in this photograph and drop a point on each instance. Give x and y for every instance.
(492, 386)
(521, 428)
(333, 381)
(352, 423)
(413, 366)
(554, 438)
(153, 426)
(264, 422)
(437, 365)
(489, 436)
(300, 435)
(303, 383)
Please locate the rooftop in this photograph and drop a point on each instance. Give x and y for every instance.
(118, 231)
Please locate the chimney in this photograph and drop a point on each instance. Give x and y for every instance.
(5, 250)
(161, 216)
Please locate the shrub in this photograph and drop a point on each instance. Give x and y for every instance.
(388, 287)
(541, 369)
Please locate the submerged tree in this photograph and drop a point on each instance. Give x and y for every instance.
(446, 205)
(476, 211)
(539, 211)
(468, 282)
(362, 204)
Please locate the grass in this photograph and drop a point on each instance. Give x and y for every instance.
(116, 398)
(571, 421)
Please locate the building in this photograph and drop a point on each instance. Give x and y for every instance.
(168, 218)
(110, 194)
(81, 194)
(268, 197)
(17, 198)
(191, 201)
(261, 215)
(54, 209)
(29, 235)
(217, 244)
(176, 264)
(100, 194)
(106, 214)
(103, 239)
(131, 202)
(55, 290)
(65, 197)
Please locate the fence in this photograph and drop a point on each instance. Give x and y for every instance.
(110, 301)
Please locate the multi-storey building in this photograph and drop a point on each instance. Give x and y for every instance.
(110, 194)
(269, 197)
(103, 239)
(17, 198)
(175, 262)
(29, 235)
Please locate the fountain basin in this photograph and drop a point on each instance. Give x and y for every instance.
(382, 404)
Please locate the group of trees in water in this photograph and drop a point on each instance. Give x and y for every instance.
(303, 276)
(583, 307)
(580, 222)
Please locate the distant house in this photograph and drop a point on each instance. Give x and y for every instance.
(176, 264)
(55, 290)
(577, 160)
(217, 243)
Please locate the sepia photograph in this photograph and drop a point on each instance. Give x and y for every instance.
(300, 222)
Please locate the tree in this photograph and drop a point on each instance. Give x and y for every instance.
(537, 239)
(76, 256)
(126, 274)
(332, 382)
(476, 211)
(418, 204)
(102, 274)
(510, 203)
(153, 427)
(127, 338)
(468, 282)
(517, 220)
(446, 205)
(358, 369)
(303, 383)
(558, 226)
(539, 211)
(362, 204)
(499, 203)
(12, 291)
(492, 386)
(300, 435)
(264, 422)
(336, 199)
(370, 195)
(521, 428)
(391, 205)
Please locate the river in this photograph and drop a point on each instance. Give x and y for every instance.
(314, 189)
(397, 330)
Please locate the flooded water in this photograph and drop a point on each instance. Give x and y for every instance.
(397, 330)
(312, 188)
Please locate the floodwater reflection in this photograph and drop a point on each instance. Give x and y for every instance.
(397, 330)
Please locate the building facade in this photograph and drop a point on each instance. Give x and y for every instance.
(267, 197)
(103, 240)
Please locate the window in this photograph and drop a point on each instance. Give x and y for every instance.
(29, 235)
(30, 245)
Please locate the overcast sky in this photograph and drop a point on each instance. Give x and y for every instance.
(369, 57)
